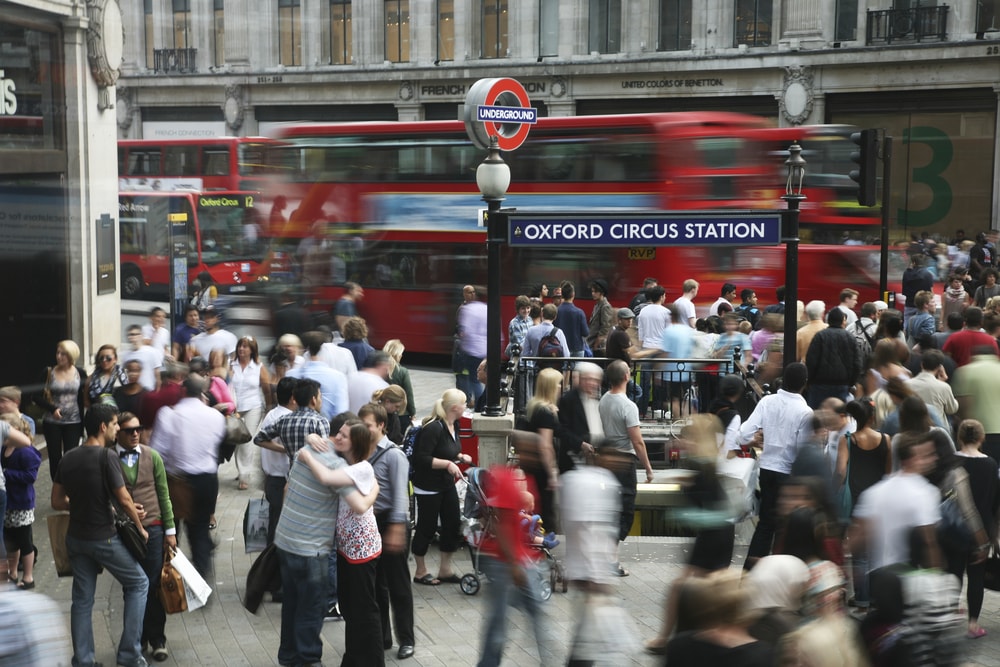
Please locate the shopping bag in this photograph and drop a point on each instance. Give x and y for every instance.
(58, 524)
(172, 593)
(255, 520)
(196, 590)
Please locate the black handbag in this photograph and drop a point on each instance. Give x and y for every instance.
(124, 526)
(991, 575)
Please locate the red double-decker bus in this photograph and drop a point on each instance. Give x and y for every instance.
(395, 207)
(221, 236)
(830, 212)
(217, 163)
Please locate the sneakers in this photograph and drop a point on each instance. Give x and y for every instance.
(160, 652)
(333, 613)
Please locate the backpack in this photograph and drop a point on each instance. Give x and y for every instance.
(409, 443)
(863, 341)
(549, 346)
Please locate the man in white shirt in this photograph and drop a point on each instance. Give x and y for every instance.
(214, 337)
(155, 334)
(333, 383)
(653, 319)
(724, 304)
(685, 303)
(888, 513)
(150, 359)
(336, 357)
(188, 436)
(275, 464)
(371, 378)
(848, 302)
(781, 422)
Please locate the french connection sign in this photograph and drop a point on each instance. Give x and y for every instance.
(718, 228)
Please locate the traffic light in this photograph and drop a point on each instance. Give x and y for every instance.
(866, 176)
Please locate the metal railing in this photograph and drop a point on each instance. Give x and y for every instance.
(916, 24)
(175, 61)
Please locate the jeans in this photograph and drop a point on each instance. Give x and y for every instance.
(155, 619)
(859, 572)
(467, 379)
(3, 545)
(499, 592)
(331, 580)
(87, 557)
(204, 491)
(817, 393)
(303, 585)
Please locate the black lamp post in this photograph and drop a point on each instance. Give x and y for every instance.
(790, 237)
(493, 178)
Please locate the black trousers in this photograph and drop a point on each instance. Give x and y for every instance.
(626, 476)
(274, 491)
(59, 439)
(763, 536)
(204, 491)
(362, 625)
(393, 589)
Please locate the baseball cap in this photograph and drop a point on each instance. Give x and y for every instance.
(209, 309)
(625, 314)
(880, 305)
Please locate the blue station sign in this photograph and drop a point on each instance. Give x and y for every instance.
(715, 228)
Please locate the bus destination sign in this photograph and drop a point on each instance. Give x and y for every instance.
(717, 228)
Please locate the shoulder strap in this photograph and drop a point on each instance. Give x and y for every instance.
(379, 453)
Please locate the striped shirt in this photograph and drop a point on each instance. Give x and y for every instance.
(308, 523)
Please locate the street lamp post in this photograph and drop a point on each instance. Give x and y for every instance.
(790, 237)
(493, 178)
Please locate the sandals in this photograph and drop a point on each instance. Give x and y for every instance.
(976, 634)
(619, 571)
(450, 579)
(242, 486)
(426, 580)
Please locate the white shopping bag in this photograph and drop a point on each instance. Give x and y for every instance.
(196, 588)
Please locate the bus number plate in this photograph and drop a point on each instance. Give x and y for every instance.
(642, 253)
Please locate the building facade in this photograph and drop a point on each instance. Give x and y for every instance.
(928, 73)
(59, 62)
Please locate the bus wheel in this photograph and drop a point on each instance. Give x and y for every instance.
(131, 283)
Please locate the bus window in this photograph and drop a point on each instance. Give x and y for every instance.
(229, 233)
(180, 161)
(216, 161)
(143, 162)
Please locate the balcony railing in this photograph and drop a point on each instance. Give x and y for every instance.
(174, 61)
(916, 24)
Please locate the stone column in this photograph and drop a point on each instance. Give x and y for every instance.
(802, 21)
(493, 435)
(92, 191)
(238, 38)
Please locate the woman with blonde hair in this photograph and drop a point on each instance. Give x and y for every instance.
(398, 374)
(435, 460)
(393, 400)
(541, 417)
(63, 397)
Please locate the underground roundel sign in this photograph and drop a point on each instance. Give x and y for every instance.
(498, 107)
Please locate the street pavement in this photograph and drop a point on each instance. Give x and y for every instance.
(448, 622)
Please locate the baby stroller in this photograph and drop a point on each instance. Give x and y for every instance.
(478, 519)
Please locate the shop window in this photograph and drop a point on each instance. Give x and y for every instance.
(753, 22)
(675, 25)
(987, 12)
(445, 30)
(397, 31)
(340, 32)
(605, 26)
(290, 32)
(494, 29)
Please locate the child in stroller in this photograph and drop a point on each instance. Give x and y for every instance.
(478, 519)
